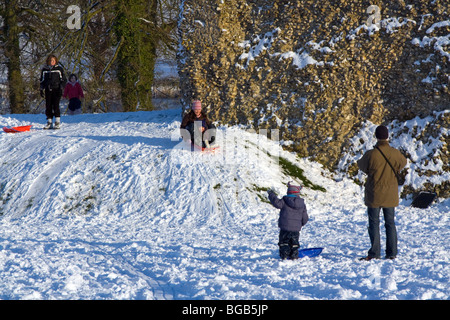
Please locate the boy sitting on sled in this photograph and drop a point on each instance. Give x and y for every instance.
(293, 217)
(198, 125)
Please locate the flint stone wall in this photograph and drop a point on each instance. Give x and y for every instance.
(318, 70)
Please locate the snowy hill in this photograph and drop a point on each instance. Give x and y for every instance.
(112, 206)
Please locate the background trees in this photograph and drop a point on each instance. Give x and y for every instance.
(112, 48)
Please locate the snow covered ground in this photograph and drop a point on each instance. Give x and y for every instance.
(112, 206)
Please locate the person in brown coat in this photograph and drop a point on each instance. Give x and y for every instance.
(381, 192)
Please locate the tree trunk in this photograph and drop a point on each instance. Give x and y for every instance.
(12, 54)
(135, 26)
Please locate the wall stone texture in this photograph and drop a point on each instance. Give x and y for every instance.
(318, 70)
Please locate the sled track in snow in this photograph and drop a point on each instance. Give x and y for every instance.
(186, 180)
(45, 180)
(160, 290)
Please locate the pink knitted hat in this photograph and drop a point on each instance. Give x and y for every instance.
(293, 189)
(197, 105)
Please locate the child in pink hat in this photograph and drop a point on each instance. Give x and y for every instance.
(197, 105)
(196, 118)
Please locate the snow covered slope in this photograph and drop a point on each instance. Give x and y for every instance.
(112, 206)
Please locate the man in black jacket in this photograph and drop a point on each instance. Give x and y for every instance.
(53, 81)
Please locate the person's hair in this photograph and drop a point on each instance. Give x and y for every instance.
(49, 59)
(192, 117)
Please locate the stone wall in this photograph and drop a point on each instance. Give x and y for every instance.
(315, 69)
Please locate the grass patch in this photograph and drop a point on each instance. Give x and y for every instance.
(82, 205)
(294, 171)
(260, 190)
(5, 195)
(112, 157)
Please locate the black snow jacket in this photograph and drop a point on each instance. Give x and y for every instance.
(293, 214)
(52, 78)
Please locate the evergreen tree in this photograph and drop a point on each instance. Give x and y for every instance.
(136, 19)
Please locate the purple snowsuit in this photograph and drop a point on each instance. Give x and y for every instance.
(293, 216)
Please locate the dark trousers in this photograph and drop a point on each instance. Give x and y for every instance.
(74, 104)
(52, 98)
(289, 244)
(374, 232)
(197, 137)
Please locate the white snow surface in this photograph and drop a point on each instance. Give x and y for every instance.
(112, 206)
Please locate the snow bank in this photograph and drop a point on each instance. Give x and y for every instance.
(256, 46)
(113, 206)
(407, 136)
(300, 59)
(439, 43)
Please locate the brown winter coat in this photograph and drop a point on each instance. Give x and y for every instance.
(381, 188)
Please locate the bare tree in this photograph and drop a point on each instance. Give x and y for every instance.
(113, 48)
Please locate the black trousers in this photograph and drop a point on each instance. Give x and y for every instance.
(289, 244)
(52, 98)
(74, 104)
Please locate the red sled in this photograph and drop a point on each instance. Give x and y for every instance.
(209, 150)
(17, 129)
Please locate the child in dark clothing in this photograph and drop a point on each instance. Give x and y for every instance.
(293, 216)
(53, 81)
(199, 127)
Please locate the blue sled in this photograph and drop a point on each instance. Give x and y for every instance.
(309, 252)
